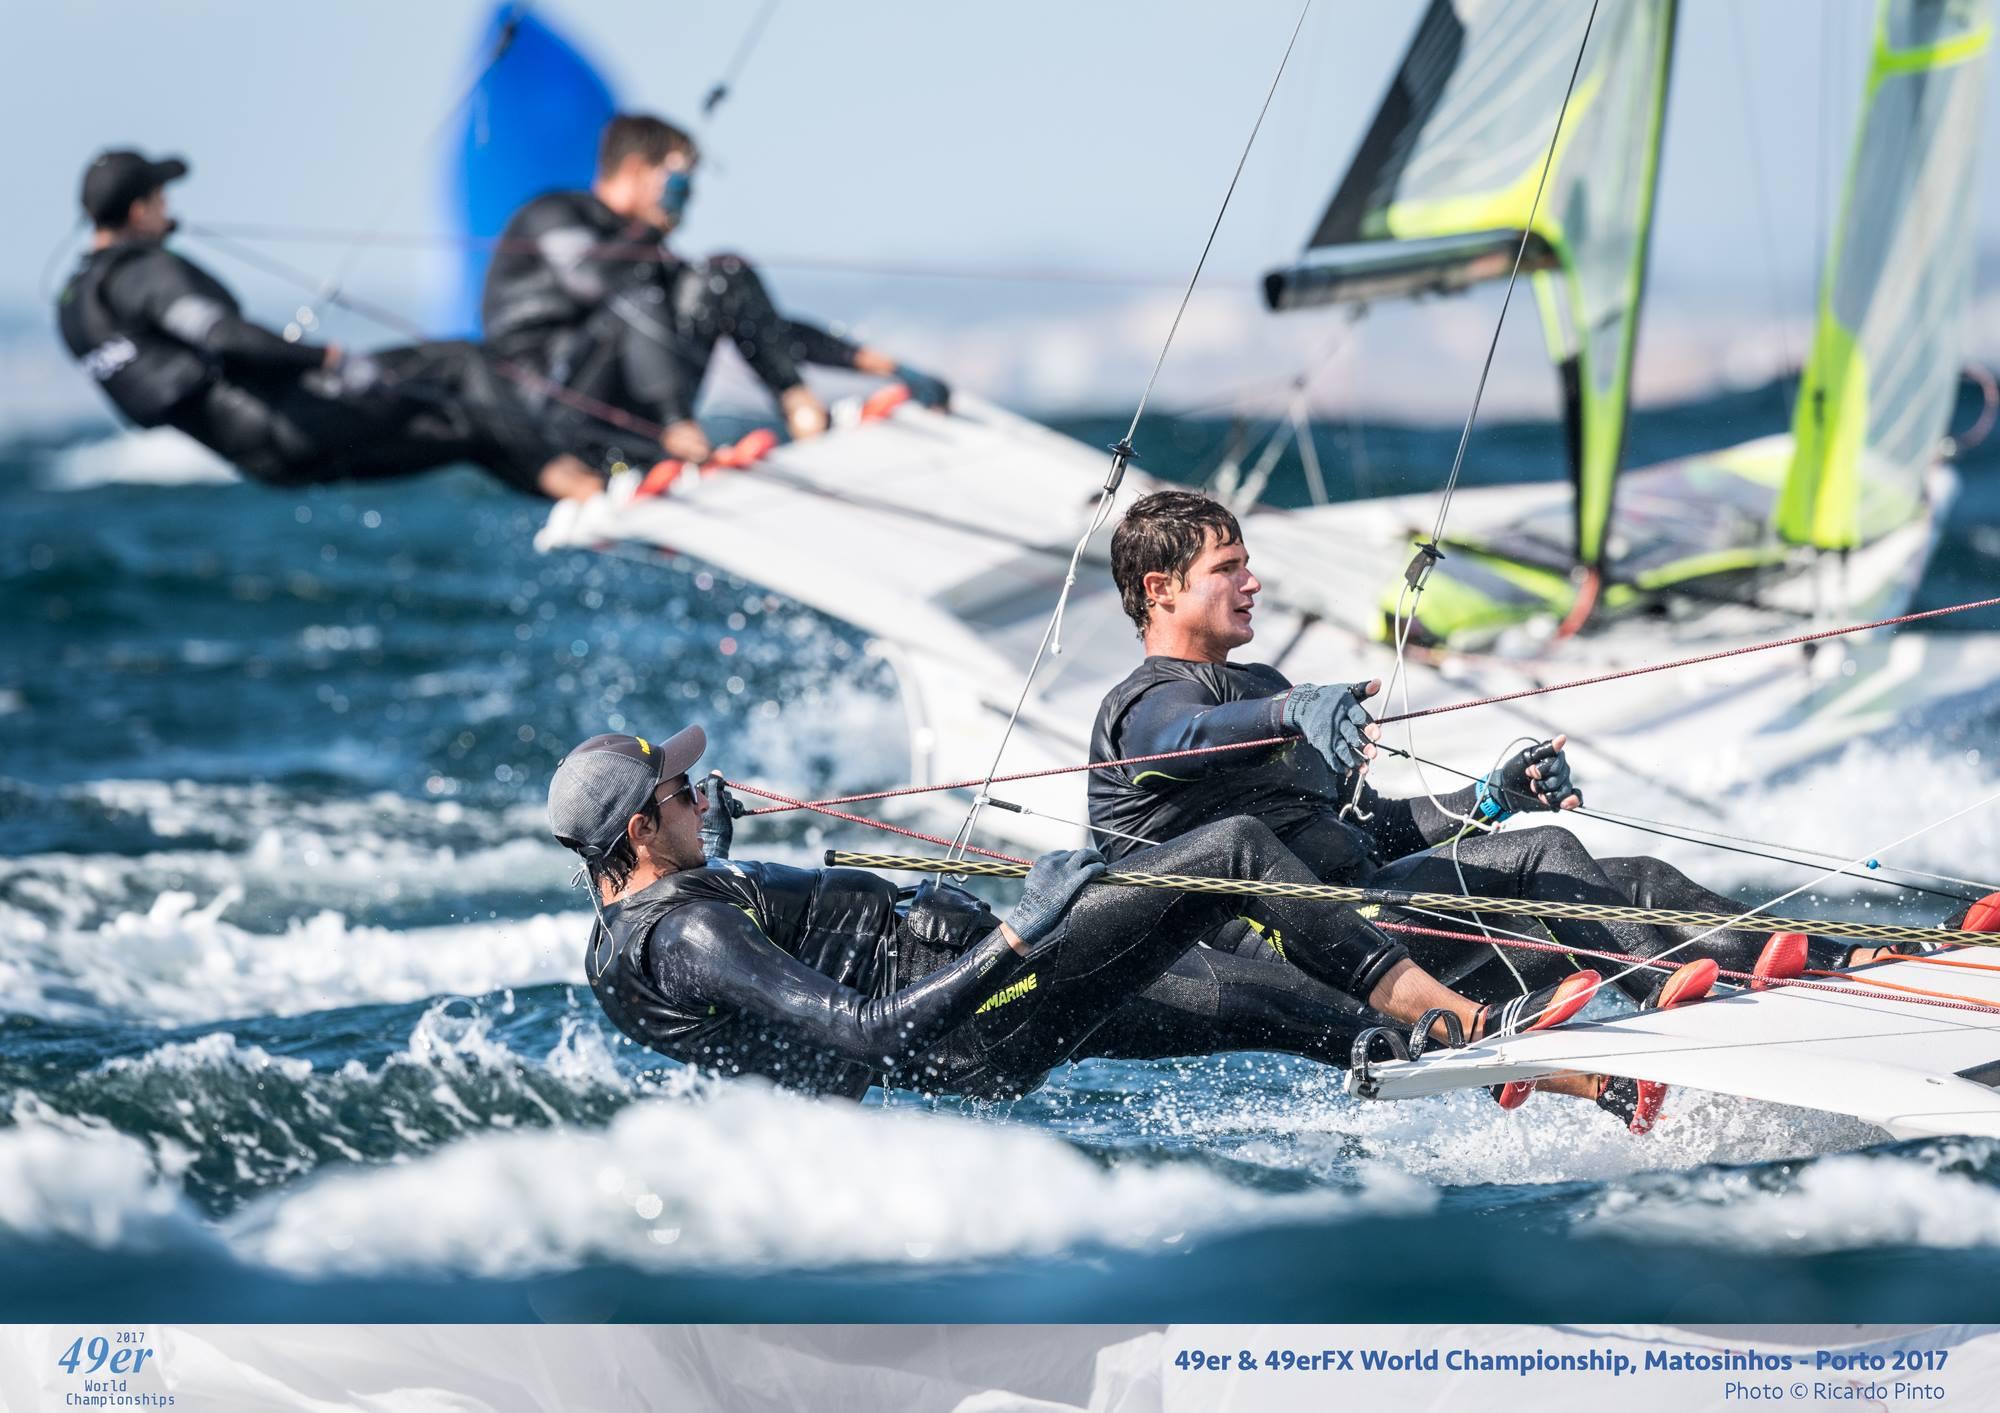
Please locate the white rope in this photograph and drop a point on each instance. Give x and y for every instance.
(1121, 455)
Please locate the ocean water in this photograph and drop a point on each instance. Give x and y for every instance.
(292, 1022)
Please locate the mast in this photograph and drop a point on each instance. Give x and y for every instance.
(1439, 194)
(1882, 371)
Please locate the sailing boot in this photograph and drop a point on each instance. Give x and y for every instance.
(1783, 957)
(1982, 916)
(1536, 1010)
(1638, 1101)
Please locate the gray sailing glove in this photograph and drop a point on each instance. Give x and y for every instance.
(718, 818)
(1053, 884)
(1537, 778)
(1334, 723)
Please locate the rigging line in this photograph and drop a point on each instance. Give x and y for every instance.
(1418, 574)
(1458, 461)
(1308, 453)
(1209, 244)
(397, 323)
(1949, 999)
(1249, 488)
(1008, 860)
(734, 70)
(1666, 830)
(1347, 894)
(1659, 828)
(509, 28)
(45, 282)
(1697, 832)
(1717, 656)
(1018, 868)
(1280, 740)
(1123, 452)
(1050, 635)
(1759, 912)
(641, 252)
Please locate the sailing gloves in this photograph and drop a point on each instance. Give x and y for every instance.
(1537, 778)
(1053, 884)
(931, 392)
(718, 818)
(1334, 723)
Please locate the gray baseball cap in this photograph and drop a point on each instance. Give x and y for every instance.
(601, 784)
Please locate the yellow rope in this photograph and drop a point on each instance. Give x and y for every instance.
(1446, 902)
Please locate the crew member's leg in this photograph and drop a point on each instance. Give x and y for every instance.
(455, 404)
(1549, 862)
(1116, 941)
(415, 420)
(1212, 1002)
(723, 297)
(1649, 883)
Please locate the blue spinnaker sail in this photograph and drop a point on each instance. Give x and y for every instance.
(530, 126)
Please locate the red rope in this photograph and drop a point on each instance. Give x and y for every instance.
(820, 807)
(1964, 1003)
(1000, 779)
(1692, 661)
(791, 804)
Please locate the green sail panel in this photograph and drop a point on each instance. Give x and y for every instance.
(1882, 372)
(1440, 194)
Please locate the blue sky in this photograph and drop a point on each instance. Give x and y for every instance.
(1086, 136)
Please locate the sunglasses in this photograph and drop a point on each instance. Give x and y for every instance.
(687, 787)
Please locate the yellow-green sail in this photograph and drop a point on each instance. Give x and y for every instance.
(1441, 190)
(1883, 368)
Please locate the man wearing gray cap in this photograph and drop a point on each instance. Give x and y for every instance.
(829, 980)
(169, 346)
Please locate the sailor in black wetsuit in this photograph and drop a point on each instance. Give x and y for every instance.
(584, 290)
(1182, 570)
(829, 980)
(168, 344)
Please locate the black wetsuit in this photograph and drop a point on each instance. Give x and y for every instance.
(598, 304)
(1170, 704)
(815, 979)
(169, 345)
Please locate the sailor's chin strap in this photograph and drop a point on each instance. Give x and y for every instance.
(586, 874)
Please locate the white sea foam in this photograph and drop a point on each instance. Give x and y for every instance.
(1846, 1203)
(87, 1183)
(1293, 1117)
(178, 962)
(754, 1177)
(160, 456)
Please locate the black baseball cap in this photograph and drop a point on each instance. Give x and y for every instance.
(116, 179)
(605, 781)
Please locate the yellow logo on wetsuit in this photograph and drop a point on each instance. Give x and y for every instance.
(1014, 991)
(1272, 935)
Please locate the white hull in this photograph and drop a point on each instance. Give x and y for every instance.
(945, 538)
(1879, 1058)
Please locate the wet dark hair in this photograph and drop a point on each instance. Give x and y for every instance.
(1163, 533)
(621, 858)
(639, 135)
